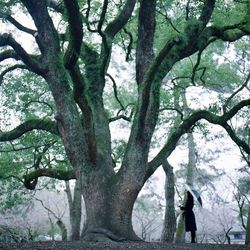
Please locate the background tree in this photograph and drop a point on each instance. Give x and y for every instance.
(74, 43)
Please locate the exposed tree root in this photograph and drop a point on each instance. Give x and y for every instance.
(102, 235)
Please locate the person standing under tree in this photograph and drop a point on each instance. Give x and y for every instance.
(190, 224)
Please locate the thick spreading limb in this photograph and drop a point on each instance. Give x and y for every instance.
(6, 39)
(120, 21)
(32, 177)
(188, 123)
(20, 26)
(46, 125)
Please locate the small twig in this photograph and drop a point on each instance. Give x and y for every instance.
(129, 49)
(115, 91)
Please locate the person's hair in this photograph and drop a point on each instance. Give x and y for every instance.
(190, 196)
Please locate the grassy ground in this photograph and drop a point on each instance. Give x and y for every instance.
(78, 245)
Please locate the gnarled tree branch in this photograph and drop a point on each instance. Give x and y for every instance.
(20, 26)
(11, 68)
(59, 174)
(207, 11)
(34, 65)
(7, 54)
(189, 123)
(46, 125)
(75, 33)
(120, 21)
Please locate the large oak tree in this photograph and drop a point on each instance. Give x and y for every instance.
(73, 61)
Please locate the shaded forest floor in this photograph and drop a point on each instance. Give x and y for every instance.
(78, 245)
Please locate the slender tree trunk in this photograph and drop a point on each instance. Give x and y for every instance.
(180, 231)
(75, 209)
(169, 226)
(247, 241)
(63, 229)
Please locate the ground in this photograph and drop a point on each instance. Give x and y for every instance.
(78, 245)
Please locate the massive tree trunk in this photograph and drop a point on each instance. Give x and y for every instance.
(109, 208)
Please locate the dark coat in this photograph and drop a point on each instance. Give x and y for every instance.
(188, 214)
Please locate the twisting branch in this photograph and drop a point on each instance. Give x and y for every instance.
(120, 21)
(236, 92)
(102, 16)
(87, 17)
(34, 65)
(128, 119)
(187, 9)
(129, 49)
(169, 21)
(230, 33)
(11, 68)
(47, 172)
(20, 26)
(46, 125)
(189, 122)
(7, 54)
(41, 102)
(174, 109)
(115, 91)
(75, 33)
(207, 11)
(195, 68)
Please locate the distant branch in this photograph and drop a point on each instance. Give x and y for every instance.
(102, 16)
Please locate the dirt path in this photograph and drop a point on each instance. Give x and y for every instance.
(78, 245)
